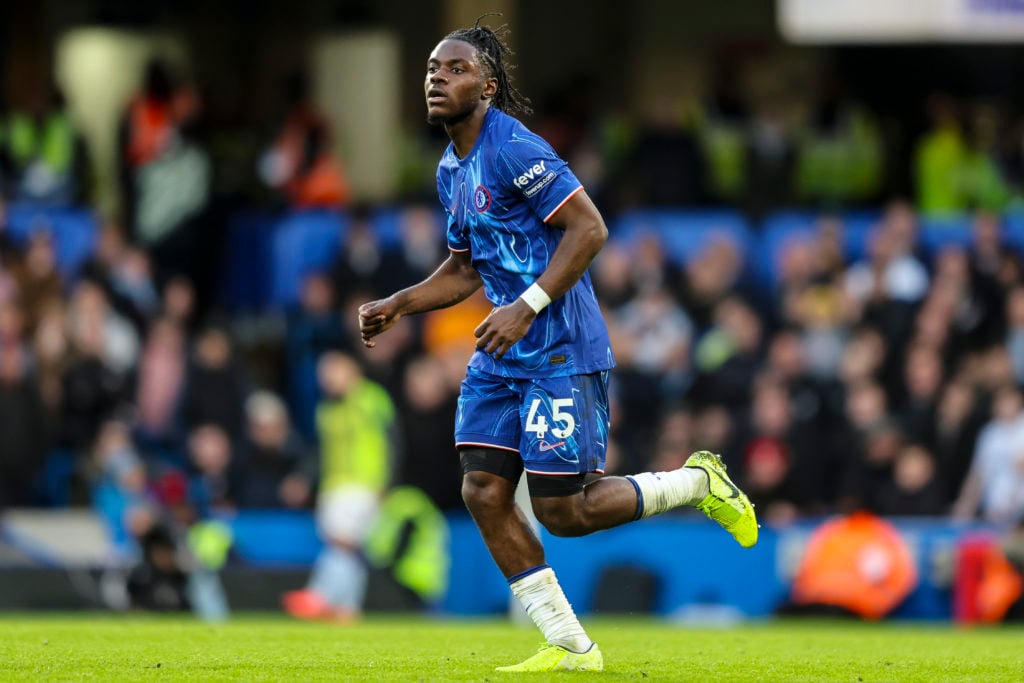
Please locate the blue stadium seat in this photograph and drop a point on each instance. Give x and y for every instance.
(303, 243)
(387, 223)
(686, 234)
(1013, 230)
(939, 231)
(247, 262)
(74, 231)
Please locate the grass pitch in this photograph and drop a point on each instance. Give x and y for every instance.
(272, 648)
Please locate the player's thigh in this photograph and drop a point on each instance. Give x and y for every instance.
(488, 415)
(564, 425)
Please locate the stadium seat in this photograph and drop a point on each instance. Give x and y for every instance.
(247, 261)
(686, 234)
(73, 229)
(1013, 230)
(303, 243)
(937, 232)
(387, 223)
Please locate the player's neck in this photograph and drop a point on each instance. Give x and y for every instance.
(465, 131)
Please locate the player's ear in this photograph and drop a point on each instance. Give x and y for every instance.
(490, 88)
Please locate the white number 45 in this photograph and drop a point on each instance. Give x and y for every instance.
(538, 424)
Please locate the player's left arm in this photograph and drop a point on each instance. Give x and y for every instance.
(584, 235)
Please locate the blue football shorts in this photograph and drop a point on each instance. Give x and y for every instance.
(557, 425)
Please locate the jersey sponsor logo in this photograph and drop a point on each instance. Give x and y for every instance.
(545, 446)
(481, 198)
(535, 171)
(539, 185)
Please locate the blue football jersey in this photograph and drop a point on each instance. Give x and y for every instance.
(498, 200)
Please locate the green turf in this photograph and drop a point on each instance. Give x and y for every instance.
(272, 648)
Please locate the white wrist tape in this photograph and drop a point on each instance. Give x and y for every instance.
(535, 297)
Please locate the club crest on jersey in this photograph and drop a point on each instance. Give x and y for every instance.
(481, 198)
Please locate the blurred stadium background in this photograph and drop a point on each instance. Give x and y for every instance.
(816, 268)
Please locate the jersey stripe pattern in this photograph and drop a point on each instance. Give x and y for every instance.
(498, 199)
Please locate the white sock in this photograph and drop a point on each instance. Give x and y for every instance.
(546, 604)
(658, 492)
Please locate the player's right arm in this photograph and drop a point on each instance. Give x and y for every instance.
(452, 282)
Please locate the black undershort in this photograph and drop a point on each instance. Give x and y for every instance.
(509, 465)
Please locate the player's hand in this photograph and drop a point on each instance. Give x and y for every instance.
(376, 317)
(504, 327)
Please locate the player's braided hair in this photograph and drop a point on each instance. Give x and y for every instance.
(492, 49)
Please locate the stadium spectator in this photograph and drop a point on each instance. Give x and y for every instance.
(953, 435)
(985, 182)
(355, 423)
(770, 156)
(300, 162)
(314, 326)
(612, 273)
(729, 355)
(422, 247)
(664, 167)
(213, 471)
(940, 158)
(119, 487)
(914, 489)
(89, 306)
(178, 302)
(1015, 331)
(360, 261)
(51, 349)
(713, 274)
(9, 252)
(427, 407)
(159, 390)
(124, 273)
(275, 468)
(814, 398)
(784, 468)
(652, 336)
(994, 488)
(216, 384)
(157, 582)
(165, 174)
(892, 271)
(47, 158)
(26, 424)
(38, 281)
(91, 388)
(675, 442)
(923, 377)
(840, 154)
(872, 468)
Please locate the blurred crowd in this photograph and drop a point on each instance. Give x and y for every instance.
(889, 383)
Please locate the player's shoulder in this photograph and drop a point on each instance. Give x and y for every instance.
(512, 135)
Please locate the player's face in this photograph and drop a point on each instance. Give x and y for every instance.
(455, 84)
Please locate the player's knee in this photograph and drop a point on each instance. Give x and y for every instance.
(482, 492)
(561, 517)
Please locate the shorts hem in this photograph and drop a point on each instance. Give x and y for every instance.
(482, 444)
(573, 473)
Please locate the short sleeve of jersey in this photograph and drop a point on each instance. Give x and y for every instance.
(458, 240)
(530, 168)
